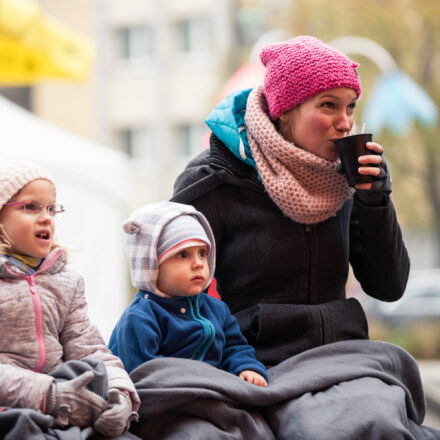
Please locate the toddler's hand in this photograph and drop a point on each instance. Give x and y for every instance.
(115, 420)
(253, 377)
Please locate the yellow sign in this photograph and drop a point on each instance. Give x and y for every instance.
(34, 47)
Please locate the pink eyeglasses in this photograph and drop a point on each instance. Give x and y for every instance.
(35, 208)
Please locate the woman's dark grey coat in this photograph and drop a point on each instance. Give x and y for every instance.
(285, 281)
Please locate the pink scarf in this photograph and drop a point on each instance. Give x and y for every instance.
(304, 186)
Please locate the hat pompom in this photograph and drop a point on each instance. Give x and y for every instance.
(130, 227)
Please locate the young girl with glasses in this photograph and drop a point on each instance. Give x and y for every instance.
(53, 361)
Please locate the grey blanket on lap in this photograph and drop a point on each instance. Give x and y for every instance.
(28, 424)
(346, 390)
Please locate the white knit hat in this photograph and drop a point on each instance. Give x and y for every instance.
(15, 174)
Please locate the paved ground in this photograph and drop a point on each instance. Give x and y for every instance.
(430, 373)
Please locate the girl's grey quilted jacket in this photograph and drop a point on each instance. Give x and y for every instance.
(44, 322)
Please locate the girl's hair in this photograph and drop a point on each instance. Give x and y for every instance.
(5, 242)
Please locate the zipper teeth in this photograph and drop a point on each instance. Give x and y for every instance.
(309, 281)
(38, 325)
(36, 302)
(202, 348)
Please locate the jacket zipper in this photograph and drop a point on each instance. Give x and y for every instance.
(36, 302)
(308, 229)
(38, 323)
(207, 328)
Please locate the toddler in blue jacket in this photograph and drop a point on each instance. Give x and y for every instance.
(171, 252)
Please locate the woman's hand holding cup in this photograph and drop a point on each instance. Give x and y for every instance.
(367, 160)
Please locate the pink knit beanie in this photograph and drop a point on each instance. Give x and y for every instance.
(302, 67)
(15, 174)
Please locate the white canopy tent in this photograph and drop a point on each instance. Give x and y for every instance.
(92, 184)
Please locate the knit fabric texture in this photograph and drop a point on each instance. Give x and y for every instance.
(143, 230)
(304, 186)
(15, 174)
(302, 67)
(180, 233)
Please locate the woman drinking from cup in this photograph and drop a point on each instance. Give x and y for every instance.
(287, 224)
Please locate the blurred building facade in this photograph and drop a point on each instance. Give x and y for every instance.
(158, 68)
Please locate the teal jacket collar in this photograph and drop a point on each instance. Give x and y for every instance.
(227, 122)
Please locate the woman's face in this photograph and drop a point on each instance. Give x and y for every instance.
(316, 123)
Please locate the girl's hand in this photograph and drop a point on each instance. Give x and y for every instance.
(370, 159)
(254, 378)
(116, 419)
(72, 403)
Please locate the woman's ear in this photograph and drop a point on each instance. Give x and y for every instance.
(284, 118)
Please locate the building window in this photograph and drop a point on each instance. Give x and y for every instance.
(139, 144)
(193, 36)
(135, 43)
(189, 138)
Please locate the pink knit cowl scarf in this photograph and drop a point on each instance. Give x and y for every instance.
(304, 186)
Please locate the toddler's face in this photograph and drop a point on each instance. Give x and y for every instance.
(31, 233)
(185, 273)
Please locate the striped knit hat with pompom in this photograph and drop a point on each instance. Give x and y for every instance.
(302, 67)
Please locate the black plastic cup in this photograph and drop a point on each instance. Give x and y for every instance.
(349, 148)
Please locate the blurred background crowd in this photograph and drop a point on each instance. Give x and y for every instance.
(111, 95)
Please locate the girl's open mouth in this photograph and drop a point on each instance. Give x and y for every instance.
(44, 235)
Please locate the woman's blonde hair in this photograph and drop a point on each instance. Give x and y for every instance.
(284, 122)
